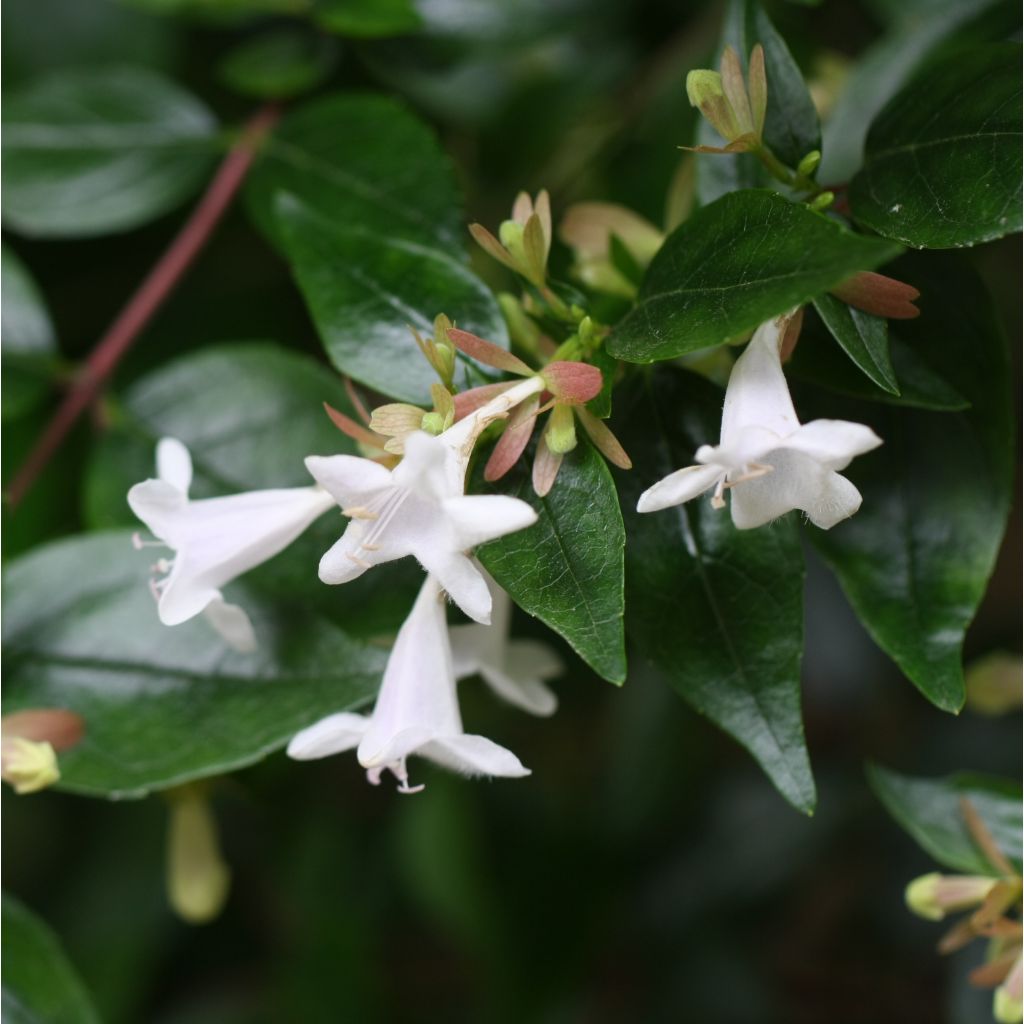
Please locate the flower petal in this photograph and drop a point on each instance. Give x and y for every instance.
(160, 506)
(331, 735)
(833, 442)
(478, 518)
(757, 393)
(232, 623)
(174, 464)
(796, 482)
(461, 579)
(680, 486)
(350, 480)
(526, 691)
(474, 755)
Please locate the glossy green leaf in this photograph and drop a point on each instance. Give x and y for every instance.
(28, 343)
(40, 986)
(791, 122)
(717, 611)
(365, 291)
(249, 414)
(363, 162)
(943, 159)
(747, 257)
(367, 19)
(883, 69)
(90, 152)
(567, 569)
(820, 361)
(163, 705)
(279, 64)
(863, 337)
(915, 560)
(930, 811)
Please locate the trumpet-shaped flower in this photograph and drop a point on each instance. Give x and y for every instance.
(419, 508)
(215, 540)
(514, 669)
(416, 712)
(771, 463)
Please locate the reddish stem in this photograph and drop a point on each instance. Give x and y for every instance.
(146, 302)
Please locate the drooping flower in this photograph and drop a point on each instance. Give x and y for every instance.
(416, 713)
(515, 670)
(419, 508)
(215, 540)
(770, 462)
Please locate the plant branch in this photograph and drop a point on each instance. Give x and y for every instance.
(147, 301)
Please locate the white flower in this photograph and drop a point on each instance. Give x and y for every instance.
(772, 463)
(416, 712)
(215, 539)
(514, 669)
(419, 508)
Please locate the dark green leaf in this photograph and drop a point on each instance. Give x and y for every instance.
(820, 362)
(914, 561)
(863, 337)
(882, 70)
(365, 291)
(930, 811)
(791, 122)
(96, 151)
(718, 611)
(40, 986)
(367, 19)
(28, 342)
(747, 257)
(943, 159)
(567, 569)
(279, 64)
(163, 705)
(249, 414)
(362, 162)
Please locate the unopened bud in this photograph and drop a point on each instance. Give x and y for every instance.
(1007, 1005)
(823, 201)
(561, 432)
(511, 235)
(28, 765)
(704, 89)
(433, 423)
(994, 684)
(197, 877)
(933, 896)
(809, 164)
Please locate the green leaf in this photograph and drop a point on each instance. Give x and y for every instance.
(791, 122)
(943, 159)
(914, 561)
(249, 414)
(279, 64)
(883, 69)
(747, 257)
(163, 705)
(567, 569)
(362, 162)
(718, 611)
(367, 19)
(28, 342)
(365, 290)
(40, 986)
(863, 337)
(91, 152)
(818, 361)
(929, 811)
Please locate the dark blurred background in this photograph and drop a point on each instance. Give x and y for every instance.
(646, 871)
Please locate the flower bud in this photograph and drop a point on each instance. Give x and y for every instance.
(432, 423)
(1007, 1005)
(822, 201)
(197, 877)
(28, 765)
(994, 684)
(933, 896)
(561, 432)
(809, 164)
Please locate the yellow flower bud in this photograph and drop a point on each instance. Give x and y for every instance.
(28, 765)
(198, 879)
